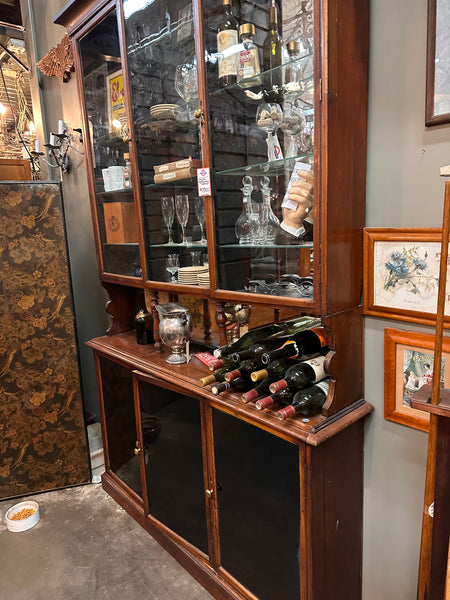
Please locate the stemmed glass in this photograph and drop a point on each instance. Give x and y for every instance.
(269, 118)
(168, 213)
(182, 209)
(199, 206)
(173, 265)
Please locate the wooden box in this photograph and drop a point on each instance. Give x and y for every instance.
(120, 223)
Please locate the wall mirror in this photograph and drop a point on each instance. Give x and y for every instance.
(437, 105)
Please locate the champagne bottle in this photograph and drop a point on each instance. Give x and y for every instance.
(244, 368)
(239, 384)
(301, 345)
(255, 351)
(273, 56)
(307, 401)
(217, 376)
(227, 36)
(301, 375)
(260, 390)
(282, 397)
(285, 328)
(277, 368)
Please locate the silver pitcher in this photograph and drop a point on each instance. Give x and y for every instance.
(175, 329)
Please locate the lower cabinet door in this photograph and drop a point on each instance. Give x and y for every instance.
(120, 423)
(258, 492)
(172, 445)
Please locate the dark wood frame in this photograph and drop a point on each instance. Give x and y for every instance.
(393, 371)
(430, 117)
(373, 236)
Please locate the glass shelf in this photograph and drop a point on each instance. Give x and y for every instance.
(295, 246)
(255, 86)
(121, 192)
(274, 167)
(190, 183)
(181, 246)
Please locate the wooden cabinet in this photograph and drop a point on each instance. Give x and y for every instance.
(253, 507)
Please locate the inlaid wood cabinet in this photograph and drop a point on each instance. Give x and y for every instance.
(188, 186)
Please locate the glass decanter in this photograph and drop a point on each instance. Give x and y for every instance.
(248, 224)
(269, 222)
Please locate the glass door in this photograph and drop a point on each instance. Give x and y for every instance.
(261, 124)
(159, 39)
(108, 134)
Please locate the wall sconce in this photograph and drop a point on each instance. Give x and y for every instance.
(59, 145)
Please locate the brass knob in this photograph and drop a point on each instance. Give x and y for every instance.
(137, 449)
(209, 493)
(198, 113)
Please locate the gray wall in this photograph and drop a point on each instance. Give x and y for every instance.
(403, 190)
(60, 101)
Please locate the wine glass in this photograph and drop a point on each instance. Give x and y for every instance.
(269, 118)
(182, 209)
(173, 265)
(168, 213)
(199, 206)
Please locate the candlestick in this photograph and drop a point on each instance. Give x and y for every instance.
(36, 146)
(60, 126)
(52, 140)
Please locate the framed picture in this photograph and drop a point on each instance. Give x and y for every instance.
(117, 116)
(401, 274)
(408, 365)
(437, 99)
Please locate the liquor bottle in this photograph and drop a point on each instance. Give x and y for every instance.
(260, 390)
(307, 401)
(236, 385)
(301, 345)
(247, 225)
(227, 36)
(215, 377)
(276, 368)
(266, 332)
(127, 171)
(248, 57)
(301, 375)
(273, 56)
(244, 368)
(283, 397)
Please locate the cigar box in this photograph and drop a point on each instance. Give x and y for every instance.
(120, 222)
(175, 175)
(185, 163)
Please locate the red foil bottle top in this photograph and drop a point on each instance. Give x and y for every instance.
(264, 403)
(249, 396)
(277, 386)
(285, 413)
(215, 364)
(232, 375)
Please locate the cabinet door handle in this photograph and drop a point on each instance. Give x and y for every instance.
(137, 449)
(209, 493)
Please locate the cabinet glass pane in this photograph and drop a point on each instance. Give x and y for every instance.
(259, 511)
(163, 78)
(261, 122)
(120, 421)
(172, 439)
(105, 107)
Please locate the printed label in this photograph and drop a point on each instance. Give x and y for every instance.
(204, 357)
(324, 386)
(317, 365)
(228, 64)
(203, 182)
(299, 166)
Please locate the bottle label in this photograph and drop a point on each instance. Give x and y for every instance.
(318, 366)
(324, 386)
(228, 65)
(322, 335)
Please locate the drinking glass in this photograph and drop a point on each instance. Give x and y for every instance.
(199, 206)
(168, 213)
(172, 265)
(182, 209)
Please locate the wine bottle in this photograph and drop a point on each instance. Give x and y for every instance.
(255, 351)
(302, 345)
(217, 376)
(282, 397)
(227, 36)
(285, 328)
(273, 56)
(276, 368)
(261, 389)
(244, 368)
(229, 362)
(307, 401)
(301, 375)
(239, 384)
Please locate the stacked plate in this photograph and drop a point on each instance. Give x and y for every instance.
(189, 275)
(203, 279)
(164, 111)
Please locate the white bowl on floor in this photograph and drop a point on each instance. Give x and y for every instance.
(16, 525)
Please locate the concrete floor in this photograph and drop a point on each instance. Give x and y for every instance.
(86, 547)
